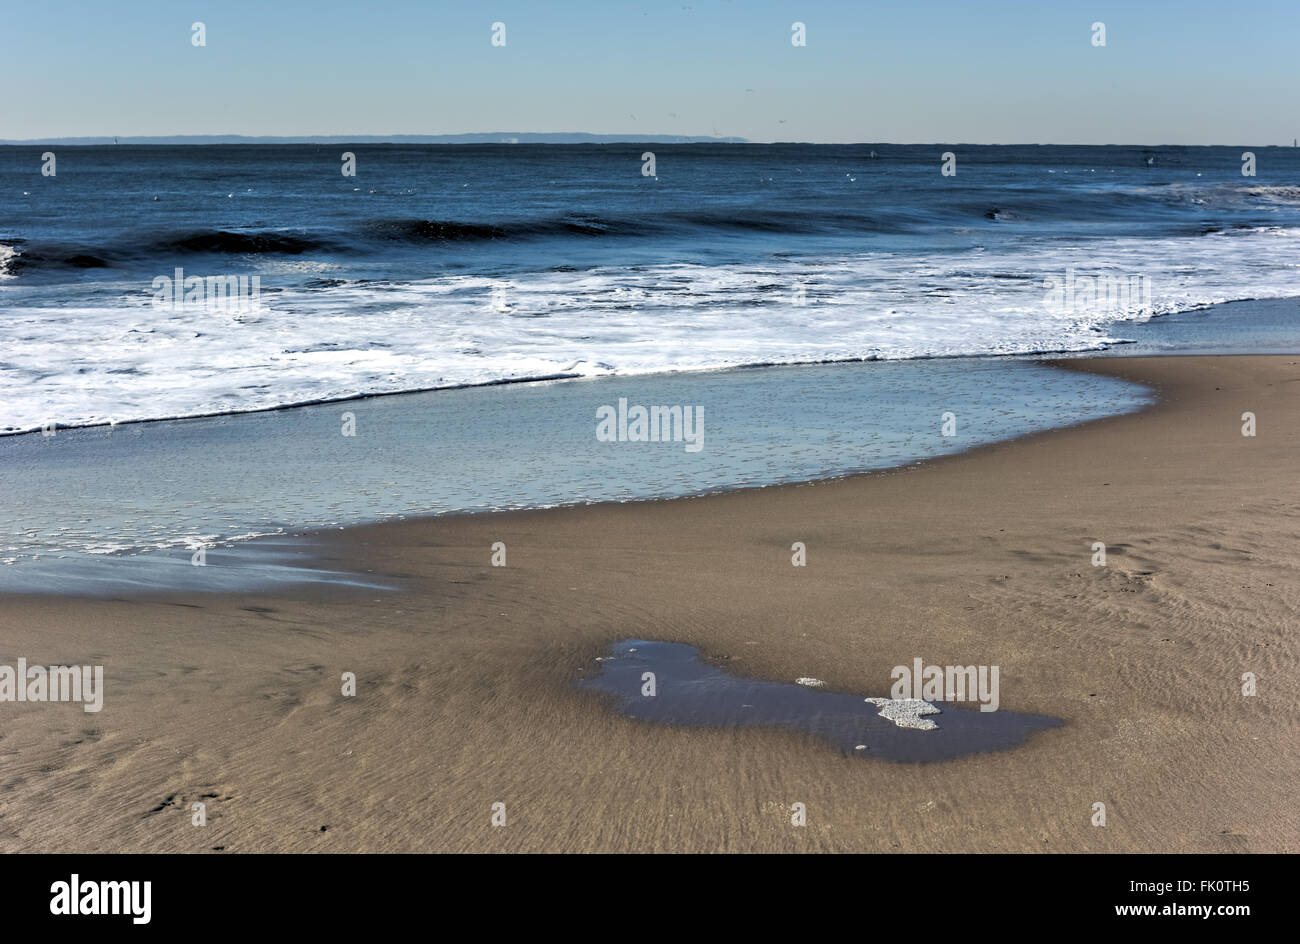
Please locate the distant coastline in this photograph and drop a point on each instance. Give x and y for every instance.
(504, 137)
(529, 137)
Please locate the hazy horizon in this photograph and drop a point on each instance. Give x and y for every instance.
(579, 137)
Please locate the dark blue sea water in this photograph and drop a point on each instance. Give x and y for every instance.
(455, 264)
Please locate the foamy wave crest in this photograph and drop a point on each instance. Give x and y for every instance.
(337, 339)
(8, 257)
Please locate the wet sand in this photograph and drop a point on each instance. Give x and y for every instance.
(467, 691)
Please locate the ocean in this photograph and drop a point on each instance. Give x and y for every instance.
(445, 265)
(894, 306)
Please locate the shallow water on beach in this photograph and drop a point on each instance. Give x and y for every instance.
(1262, 326)
(268, 563)
(689, 691)
(108, 494)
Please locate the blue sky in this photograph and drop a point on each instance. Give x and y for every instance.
(1176, 72)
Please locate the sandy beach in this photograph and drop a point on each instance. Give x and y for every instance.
(466, 691)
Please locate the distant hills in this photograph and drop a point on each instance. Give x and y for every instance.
(488, 138)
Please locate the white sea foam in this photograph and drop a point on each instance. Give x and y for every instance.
(124, 360)
(907, 712)
(7, 255)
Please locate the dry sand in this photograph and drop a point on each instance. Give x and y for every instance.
(466, 680)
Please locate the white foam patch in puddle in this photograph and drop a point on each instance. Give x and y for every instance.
(907, 712)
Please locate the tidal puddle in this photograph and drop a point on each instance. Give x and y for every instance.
(691, 692)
